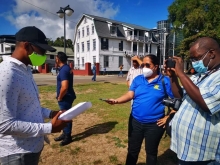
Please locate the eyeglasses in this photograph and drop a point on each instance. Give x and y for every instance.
(146, 64)
(194, 59)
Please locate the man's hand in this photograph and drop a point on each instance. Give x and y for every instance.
(58, 125)
(135, 58)
(178, 70)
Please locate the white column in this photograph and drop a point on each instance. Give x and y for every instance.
(132, 47)
(148, 51)
(132, 34)
(138, 48)
(144, 49)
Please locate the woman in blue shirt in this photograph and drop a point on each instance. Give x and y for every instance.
(147, 117)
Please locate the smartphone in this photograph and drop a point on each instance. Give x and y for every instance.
(103, 99)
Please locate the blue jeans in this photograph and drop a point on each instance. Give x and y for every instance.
(94, 76)
(212, 162)
(137, 132)
(65, 105)
(120, 73)
(21, 159)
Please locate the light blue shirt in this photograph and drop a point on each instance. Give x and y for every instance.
(196, 133)
(22, 126)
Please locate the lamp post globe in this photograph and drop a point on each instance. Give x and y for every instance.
(62, 14)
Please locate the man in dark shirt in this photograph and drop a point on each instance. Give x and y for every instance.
(65, 94)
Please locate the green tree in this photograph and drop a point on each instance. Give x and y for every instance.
(194, 19)
(60, 42)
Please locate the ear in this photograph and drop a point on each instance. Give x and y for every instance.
(212, 54)
(26, 46)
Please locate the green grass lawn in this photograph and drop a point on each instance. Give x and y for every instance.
(116, 116)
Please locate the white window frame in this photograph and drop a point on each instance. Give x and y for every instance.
(77, 47)
(88, 45)
(83, 32)
(93, 29)
(87, 30)
(83, 47)
(94, 44)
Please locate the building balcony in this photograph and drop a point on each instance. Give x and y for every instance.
(134, 53)
(138, 38)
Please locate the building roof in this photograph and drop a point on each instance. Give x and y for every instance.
(102, 29)
(69, 51)
(7, 39)
(118, 22)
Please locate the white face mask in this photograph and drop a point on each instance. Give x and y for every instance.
(147, 72)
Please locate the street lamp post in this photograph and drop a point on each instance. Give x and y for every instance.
(159, 34)
(62, 13)
(164, 45)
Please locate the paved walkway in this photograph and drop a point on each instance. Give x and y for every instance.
(48, 79)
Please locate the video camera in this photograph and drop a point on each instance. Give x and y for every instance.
(173, 103)
(170, 63)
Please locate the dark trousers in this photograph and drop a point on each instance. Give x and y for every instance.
(65, 105)
(21, 159)
(136, 133)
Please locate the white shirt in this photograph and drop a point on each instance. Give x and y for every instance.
(132, 73)
(22, 126)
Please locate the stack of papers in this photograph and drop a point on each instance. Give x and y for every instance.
(75, 111)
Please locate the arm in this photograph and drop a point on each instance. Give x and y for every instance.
(123, 99)
(63, 89)
(176, 88)
(137, 59)
(9, 123)
(191, 89)
(64, 76)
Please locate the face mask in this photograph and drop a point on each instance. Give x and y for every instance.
(199, 65)
(36, 59)
(147, 72)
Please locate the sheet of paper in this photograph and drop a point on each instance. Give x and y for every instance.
(75, 111)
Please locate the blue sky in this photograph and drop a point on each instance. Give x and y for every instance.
(15, 14)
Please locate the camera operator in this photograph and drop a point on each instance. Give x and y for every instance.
(195, 126)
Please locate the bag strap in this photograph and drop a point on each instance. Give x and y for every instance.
(166, 95)
(164, 87)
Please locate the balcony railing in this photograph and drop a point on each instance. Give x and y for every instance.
(135, 53)
(138, 38)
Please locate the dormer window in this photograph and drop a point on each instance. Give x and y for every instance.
(113, 30)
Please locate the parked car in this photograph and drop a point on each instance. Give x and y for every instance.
(54, 71)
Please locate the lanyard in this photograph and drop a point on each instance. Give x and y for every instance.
(208, 74)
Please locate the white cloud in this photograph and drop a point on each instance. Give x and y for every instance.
(23, 14)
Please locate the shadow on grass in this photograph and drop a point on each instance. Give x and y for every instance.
(167, 158)
(95, 129)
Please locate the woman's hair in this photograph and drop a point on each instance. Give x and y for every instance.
(154, 60)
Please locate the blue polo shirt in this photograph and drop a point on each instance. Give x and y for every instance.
(147, 104)
(65, 73)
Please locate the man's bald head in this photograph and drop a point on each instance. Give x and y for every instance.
(206, 43)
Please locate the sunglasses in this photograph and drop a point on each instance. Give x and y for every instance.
(194, 59)
(145, 65)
